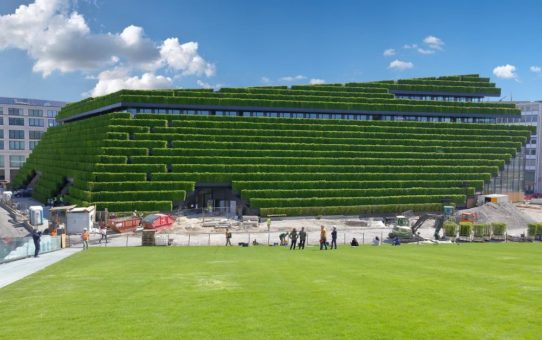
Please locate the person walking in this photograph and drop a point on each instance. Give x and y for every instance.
(334, 238)
(228, 237)
(302, 238)
(103, 234)
(323, 238)
(293, 237)
(36, 236)
(84, 238)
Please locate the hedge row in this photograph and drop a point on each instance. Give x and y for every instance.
(298, 161)
(286, 104)
(315, 185)
(221, 146)
(350, 201)
(118, 177)
(442, 135)
(179, 138)
(534, 229)
(112, 143)
(327, 152)
(227, 177)
(126, 151)
(351, 210)
(143, 206)
(130, 167)
(257, 168)
(332, 122)
(322, 193)
(242, 125)
(141, 186)
(114, 196)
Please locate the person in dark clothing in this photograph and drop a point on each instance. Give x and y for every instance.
(293, 236)
(354, 242)
(396, 241)
(282, 238)
(334, 238)
(302, 238)
(36, 236)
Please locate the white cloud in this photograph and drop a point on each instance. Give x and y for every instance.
(185, 58)
(57, 38)
(316, 81)
(389, 52)
(117, 79)
(535, 69)
(206, 85)
(265, 80)
(410, 46)
(425, 51)
(400, 65)
(293, 78)
(433, 42)
(505, 72)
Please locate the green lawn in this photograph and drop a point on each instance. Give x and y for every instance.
(468, 291)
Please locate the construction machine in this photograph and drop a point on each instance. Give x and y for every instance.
(410, 233)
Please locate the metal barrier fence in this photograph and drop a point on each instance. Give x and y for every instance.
(219, 239)
(21, 247)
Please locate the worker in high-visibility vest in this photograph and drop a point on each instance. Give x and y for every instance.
(84, 238)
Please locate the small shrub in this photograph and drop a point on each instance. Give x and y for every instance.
(450, 229)
(499, 228)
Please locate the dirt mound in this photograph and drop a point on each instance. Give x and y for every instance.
(515, 219)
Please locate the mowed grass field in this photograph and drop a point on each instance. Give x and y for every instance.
(420, 292)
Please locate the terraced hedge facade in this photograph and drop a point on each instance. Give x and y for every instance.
(280, 166)
(362, 97)
(150, 162)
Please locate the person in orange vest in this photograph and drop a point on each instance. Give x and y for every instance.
(84, 238)
(323, 238)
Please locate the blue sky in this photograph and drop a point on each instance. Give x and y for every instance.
(68, 49)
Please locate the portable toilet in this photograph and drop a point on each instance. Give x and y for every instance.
(448, 210)
(36, 214)
(79, 218)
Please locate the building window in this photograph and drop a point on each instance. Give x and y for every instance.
(51, 114)
(1, 120)
(12, 111)
(36, 122)
(1, 161)
(32, 144)
(1, 145)
(16, 161)
(16, 134)
(51, 122)
(16, 121)
(1, 133)
(35, 113)
(16, 145)
(33, 134)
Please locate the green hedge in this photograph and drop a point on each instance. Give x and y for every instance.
(498, 228)
(350, 210)
(465, 229)
(358, 169)
(324, 193)
(352, 201)
(315, 185)
(114, 196)
(450, 229)
(140, 186)
(227, 177)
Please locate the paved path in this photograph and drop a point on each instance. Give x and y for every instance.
(16, 270)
